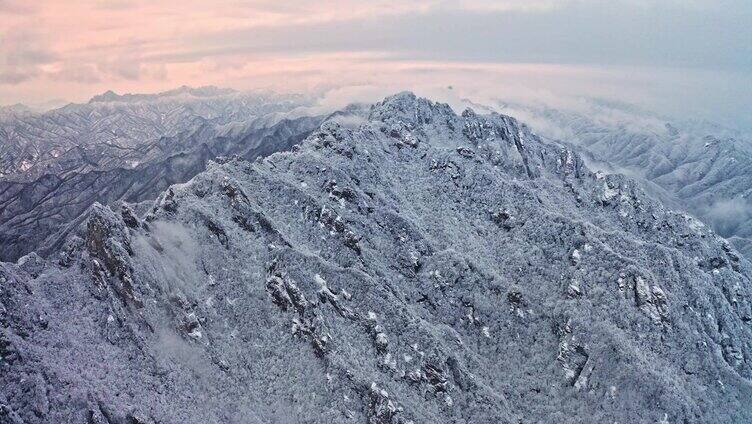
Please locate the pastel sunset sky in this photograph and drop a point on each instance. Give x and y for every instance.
(674, 55)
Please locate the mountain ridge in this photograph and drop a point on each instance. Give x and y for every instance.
(422, 267)
(110, 134)
(33, 213)
(705, 168)
(205, 91)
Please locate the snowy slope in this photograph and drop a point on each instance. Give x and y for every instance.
(114, 131)
(422, 267)
(126, 147)
(705, 168)
(37, 215)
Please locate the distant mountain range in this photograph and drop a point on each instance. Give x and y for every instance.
(697, 166)
(123, 131)
(126, 147)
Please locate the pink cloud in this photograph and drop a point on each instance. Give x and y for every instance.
(74, 49)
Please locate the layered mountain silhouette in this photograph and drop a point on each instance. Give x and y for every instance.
(129, 148)
(122, 131)
(421, 266)
(698, 166)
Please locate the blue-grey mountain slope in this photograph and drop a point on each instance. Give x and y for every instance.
(123, 131)
(423, 267)
(128, 148)
(702, 167)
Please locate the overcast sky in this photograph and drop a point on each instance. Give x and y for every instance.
(677, 56)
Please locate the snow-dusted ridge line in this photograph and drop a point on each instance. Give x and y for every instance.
(421, 266)
(701, 167)
(118, 131)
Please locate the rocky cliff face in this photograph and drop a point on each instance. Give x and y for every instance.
(423, 267)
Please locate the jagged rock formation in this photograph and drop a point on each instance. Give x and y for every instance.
(704, 168)
(424, 267)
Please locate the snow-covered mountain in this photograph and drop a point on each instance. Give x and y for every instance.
(129, 148)
(122, 131)
(699, 166)
(12, 112)
(423, 266)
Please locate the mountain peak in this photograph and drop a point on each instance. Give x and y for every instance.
(107, 96)
(410, 109)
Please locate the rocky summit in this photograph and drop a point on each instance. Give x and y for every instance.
(418, 267)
